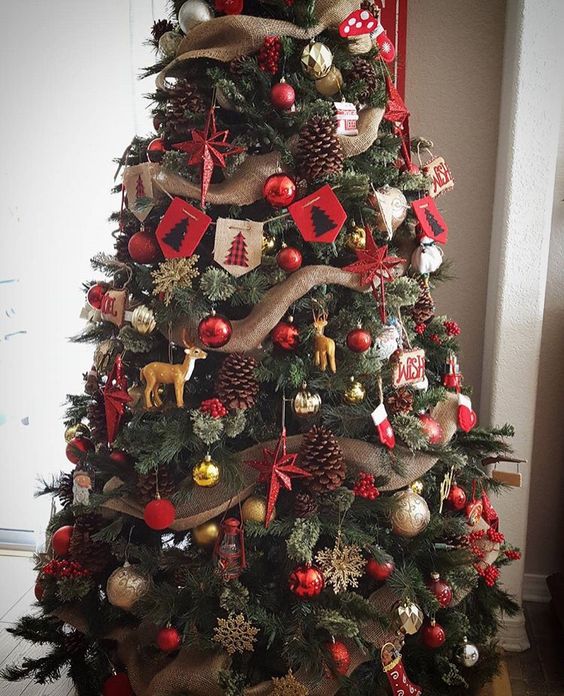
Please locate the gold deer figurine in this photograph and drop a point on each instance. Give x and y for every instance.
(156, 373)
(324, 346)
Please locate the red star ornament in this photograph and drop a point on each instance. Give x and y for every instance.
(115, 398)
(208, 148)
(397, 113)
(375, 268)
(277, 468)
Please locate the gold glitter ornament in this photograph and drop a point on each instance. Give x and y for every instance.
(330, 84)
(205, 535)
(268, 244)
(410, 617)
(206, 473)
(417, 487)
(76, 430)
(126, 586)
(172, 274)
(356, 239)
(288, 686)
(410, 514)
(254, 510)
(143, 320)
(355, 392)
(235, 634)
(342, 565)
(317, 60)
(306, 404)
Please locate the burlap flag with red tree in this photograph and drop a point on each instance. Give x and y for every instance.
(238, 245)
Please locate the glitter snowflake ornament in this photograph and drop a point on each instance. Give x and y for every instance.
(288, 686)
(235, 634)
(172, 274)
(342, 565)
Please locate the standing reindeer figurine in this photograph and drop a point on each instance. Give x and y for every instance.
(324, 346)
(156, 373)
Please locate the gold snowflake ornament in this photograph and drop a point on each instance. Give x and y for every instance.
(341, 566)
(174, 273)
(235, 634)
(288, 686)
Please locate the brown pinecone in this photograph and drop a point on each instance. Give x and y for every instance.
(319, 152)
(424, 309)
(304, 505)
(146, 485)
(237, 64)
(181, 575)
(399, 401)
(96, 414)
(235, 383)
(362, 71)
(65, 494)
(183, 100)
(160, 27)
(321, 456)
(92, 555)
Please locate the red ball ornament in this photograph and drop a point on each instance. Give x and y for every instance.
(144, 248)
(61, 539)
(38, 591)
(155, 150)
(433, 635)
(379, 571)
(95, 294)
(77, 448)
(159, 514)
(282, 95)
(120, 457)
(168, 639)
(289, 259)
(359, 340)
(440, 589)
(340, 657)
(431, 428)
(214, 331)
(279, 190)
(117, 685)
(456, 497)
(285, 335)
(306, 581)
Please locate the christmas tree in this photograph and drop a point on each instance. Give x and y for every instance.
(237, 255)
(252, 524)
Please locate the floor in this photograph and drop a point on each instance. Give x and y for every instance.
(539, 671)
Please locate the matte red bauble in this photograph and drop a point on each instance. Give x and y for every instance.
(431, 428)
(279, 190)
(456, 497)
(38, 591)
(61, 539)
(95, 294)
(282, 95)
(117, 685)
(340, 657)
(159, 514)
(289, 259)
(144, 248)
(214, 331)
(359, 340)
(156, 150)
(440, 589)
(306, 581)
(77, 448)
(433, 635)
(379, 571)
(120, 457)
(285, 335)
(168, 639)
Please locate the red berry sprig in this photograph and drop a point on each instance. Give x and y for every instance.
(269, 55)
(64, 569)
(365, 488)
(214, 407)
(436, 339)
(420, 329)
(496, 537)
(473, 542)
(452, 328)
(513, 554)
(490, 573)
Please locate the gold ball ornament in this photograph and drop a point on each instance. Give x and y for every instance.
(126, 586)
(317, 60)
(410, 514)
(254, 510)
(355, 393)
(306, 404)
(205, 535)
(206, 473)
(168, 43)
(417, 487)
(268, 244)
(143, 320)
(410, 617)
(356, 239)
(76, 430)
(330, 84)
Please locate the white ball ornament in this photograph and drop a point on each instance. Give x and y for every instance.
(192, 13)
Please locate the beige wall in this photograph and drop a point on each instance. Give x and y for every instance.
(454, 64)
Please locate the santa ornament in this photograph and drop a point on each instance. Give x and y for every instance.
(392, 664)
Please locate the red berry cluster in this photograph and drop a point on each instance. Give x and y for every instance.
(420, 329)
(474, 539)
(436, 339)
(496, 537)
(513, 554)
(214, 407)
(365, 488)
(64, 569)
(490, 573)
(269, 55)
(452, 328)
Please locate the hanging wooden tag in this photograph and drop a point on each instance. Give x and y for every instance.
(509, 478)
(441, 178)
(238, 245)
(408, 367)
(139, 189)
(432, 223)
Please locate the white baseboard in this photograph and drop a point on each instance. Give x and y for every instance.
(512, 635)
(535, 588)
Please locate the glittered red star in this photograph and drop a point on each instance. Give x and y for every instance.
(208, 148)
(375, 268)
(115, 398)
(397, 113)
(276, 468)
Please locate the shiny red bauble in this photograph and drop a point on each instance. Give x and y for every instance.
(120, 457)
(456, 497)
(38, 591)
(156, 150)
(61, 539)
(214, 331)
(433, 635)
(168, 639)
(440, 589)
(279, 190)
(379, 571)
(285, 335)
(144, 248)
(359, 340)
(282, 95)
(117, 685)
(159, 514)
(306, 581)
(289, 259)
(77, 448)
(340, 657)
(431, 428)
(95, 294)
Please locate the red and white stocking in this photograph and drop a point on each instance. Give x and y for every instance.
(395, 671)
(467, 417)
(383, 426)
(385, 46)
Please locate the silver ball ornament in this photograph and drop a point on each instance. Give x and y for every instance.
(468, 654)
(192, 13)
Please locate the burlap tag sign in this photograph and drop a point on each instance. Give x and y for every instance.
(139, 189)
(409, 367)
(113, 307)
(441, 177)
(238, 245)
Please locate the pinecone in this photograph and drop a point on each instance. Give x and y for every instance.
(183, 100)
(96, 414)
(236, 384)
(304, 505)
(399, 401)
(237, 65)
(424, 309)
(65, 494)
(181, 575)
(146, 485)
(92, 555)
(362, 71)
(321, 456)
(160, 27)
(319, 152)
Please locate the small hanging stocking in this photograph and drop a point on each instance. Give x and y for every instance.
(467, 417)
(383, 426)
(392, 665)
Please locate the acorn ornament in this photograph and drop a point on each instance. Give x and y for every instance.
(206, 473)
(126, 586)
(282, 96)
(468, 654)
(305, 403)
